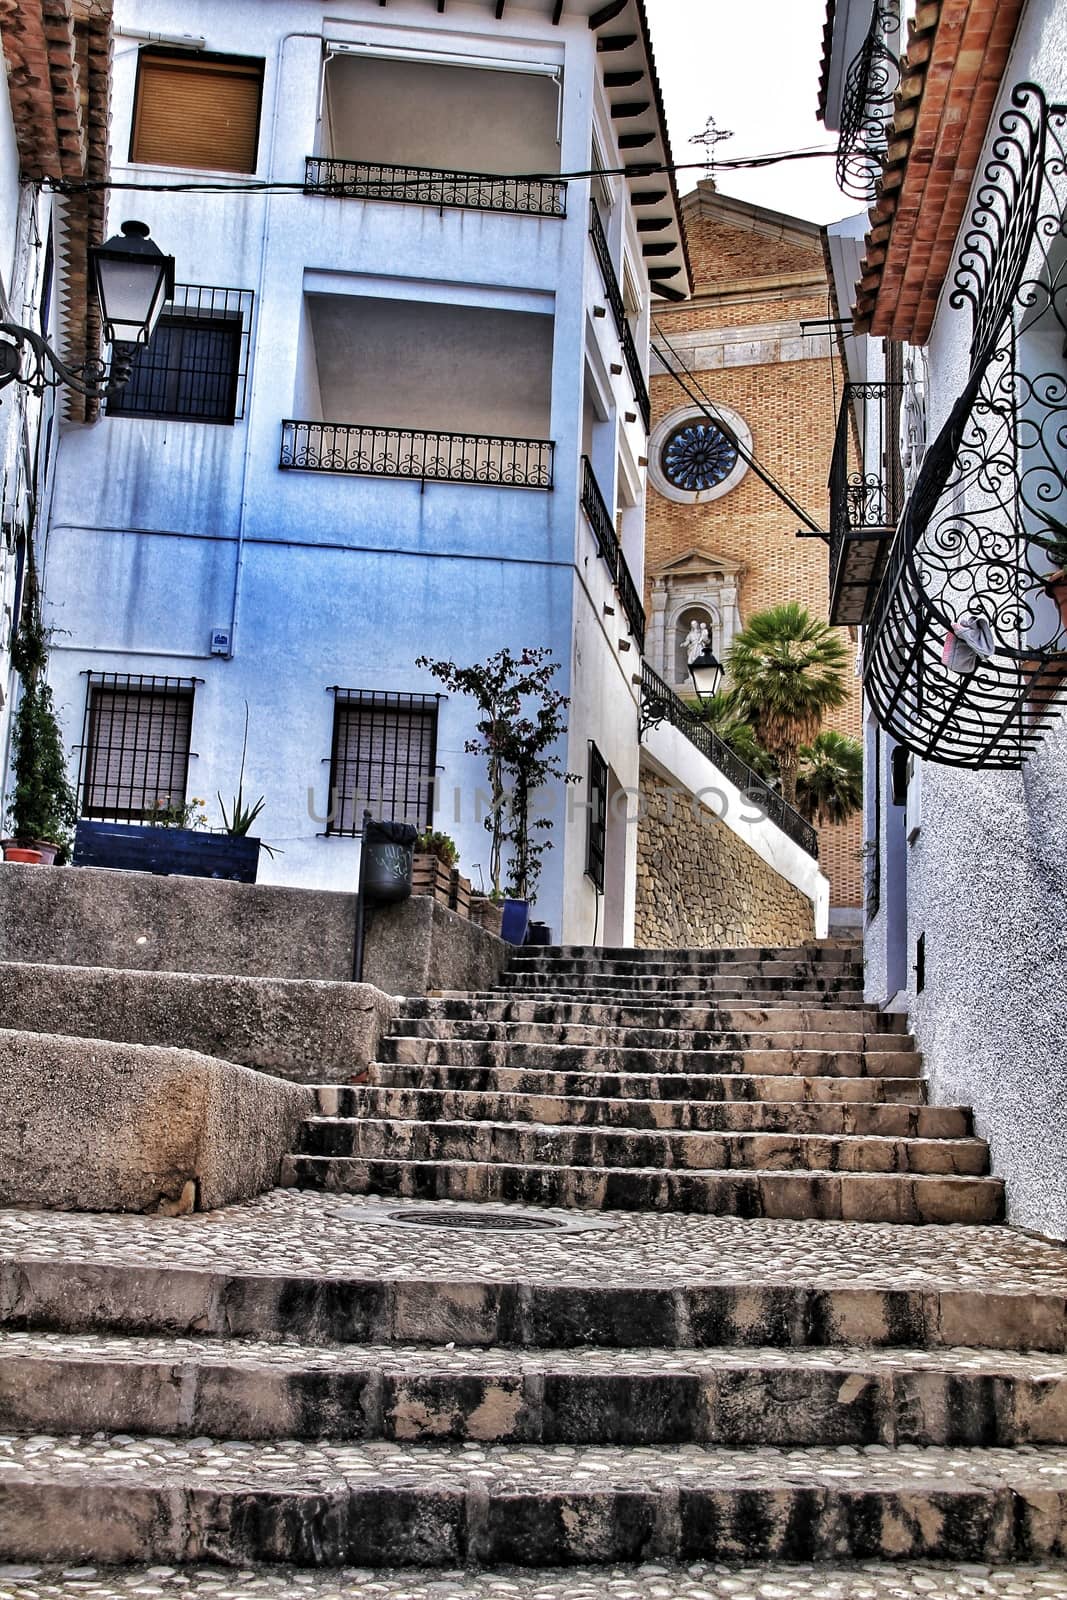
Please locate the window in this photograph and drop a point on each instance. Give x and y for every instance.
(193, 110)
(598, 817)
(694, 457)
(135, 749)
(195, 368)
(383, 760)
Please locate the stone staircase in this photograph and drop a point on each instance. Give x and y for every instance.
(750, 1083)
(711, 1342)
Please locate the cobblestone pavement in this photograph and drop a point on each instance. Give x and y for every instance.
(539, 1469)
(829, 1582)
(416, 1360)
(288, 1231)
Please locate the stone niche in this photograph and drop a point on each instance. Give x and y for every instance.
(695, 587)
(699, 885)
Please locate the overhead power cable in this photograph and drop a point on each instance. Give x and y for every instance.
(697, 394)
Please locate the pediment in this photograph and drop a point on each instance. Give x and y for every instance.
(696, 564)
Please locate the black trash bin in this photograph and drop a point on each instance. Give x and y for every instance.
(385, 872)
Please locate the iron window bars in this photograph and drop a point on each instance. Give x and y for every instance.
(598, 817)
(383, 758)
(867, 106)
(195, 368)
(984, 525)
(431, 186)
(659, 703)
(595, 508)
(618, 311)
(866, 491)
(134, 755)
(366, 450)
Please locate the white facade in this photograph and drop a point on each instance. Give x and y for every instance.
(967, 909)
(366, 312)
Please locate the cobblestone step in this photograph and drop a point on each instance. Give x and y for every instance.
(237, 1389)
(882, 1197)
(120, 1500)
(862, 1117)
(676, 1086)
(421, 1051)
(699, 1580)
(493, 1007)
(522, 1144)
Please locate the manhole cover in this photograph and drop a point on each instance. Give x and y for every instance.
(496, 1221)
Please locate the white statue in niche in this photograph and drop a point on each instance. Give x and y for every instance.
(696, 641)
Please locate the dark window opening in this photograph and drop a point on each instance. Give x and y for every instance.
(135, 748)
(195, 367)
(598, 817)
(383, 759)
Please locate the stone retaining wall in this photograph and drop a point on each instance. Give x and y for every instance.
(699, 884)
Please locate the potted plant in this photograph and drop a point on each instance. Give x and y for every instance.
(42, 809)
(520, 725)
(435, 858)
(1055, 582)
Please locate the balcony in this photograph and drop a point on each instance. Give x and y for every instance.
(366, 451)
(618, 311)
(866, 491)
(595, 507)
(418, 133)
(867, 106)
(430, 186)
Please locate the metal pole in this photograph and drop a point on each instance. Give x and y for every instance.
(361, 906)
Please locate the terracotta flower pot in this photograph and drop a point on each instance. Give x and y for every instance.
(18, 852)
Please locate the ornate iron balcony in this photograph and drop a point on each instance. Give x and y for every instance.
(618, 311)
(430, 186)
(659, 703)
(865, 496)
(423, 455)
(867, 108)
(595, 508)
(983, 536)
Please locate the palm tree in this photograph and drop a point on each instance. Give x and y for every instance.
(788, 670)
(830, 778)
(725, 717)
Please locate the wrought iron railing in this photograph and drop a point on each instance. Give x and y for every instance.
(595, 508)
(984, 532)
(865, 496)
(867, 108)
(618, 311)
(421, 454)
(431, 186)
(659, 703)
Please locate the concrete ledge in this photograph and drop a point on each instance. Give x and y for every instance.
(92, 917)
(119, 1127)
(418, 946)
(311, 1032)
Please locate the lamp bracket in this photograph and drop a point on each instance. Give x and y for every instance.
(27, 358)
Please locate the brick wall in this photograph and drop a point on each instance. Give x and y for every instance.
(790, 408)
(698, 884)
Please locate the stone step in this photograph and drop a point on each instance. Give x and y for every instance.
(115, 1500)
(829, 951)
(668, 1086)
(561, 966)
(849, 1196)
(428, 1105)
(495, 1008)
(650, 1038)
(246, 1389)
(521, 1144)
(672, 1281)
(404, 1051)
(770, 990)
(699, 1580)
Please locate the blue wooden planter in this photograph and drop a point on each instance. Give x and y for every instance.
(515, 921)
(132, 847)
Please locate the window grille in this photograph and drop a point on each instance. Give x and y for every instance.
(195, 368)
(598, 817)
(383, 759)
(135, 745)
(197, 111)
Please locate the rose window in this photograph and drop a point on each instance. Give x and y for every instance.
(698, 455)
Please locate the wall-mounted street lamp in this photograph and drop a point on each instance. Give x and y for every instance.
(706, 671)
(133, 280)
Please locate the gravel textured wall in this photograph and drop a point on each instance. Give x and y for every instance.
(698, 884)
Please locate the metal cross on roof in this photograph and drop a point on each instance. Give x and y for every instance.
(711, 136)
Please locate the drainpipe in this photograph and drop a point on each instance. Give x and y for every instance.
(253, 390)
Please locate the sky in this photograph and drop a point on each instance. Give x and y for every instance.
(753, 65)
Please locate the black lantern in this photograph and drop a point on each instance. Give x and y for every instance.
(133, 280)
(706, 671)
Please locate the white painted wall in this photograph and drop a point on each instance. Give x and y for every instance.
(164, 531)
